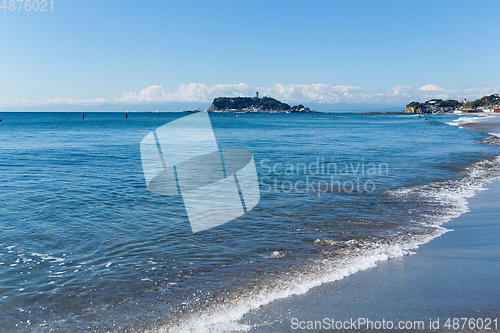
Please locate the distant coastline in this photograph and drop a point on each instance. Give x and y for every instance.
(485, 104)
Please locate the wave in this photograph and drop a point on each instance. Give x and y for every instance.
(448, 199)
(438, 203)
(470, 119)
(224, 316)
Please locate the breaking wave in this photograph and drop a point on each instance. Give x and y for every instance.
(431, 205)
(471, 119)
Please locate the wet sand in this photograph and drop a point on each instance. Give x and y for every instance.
(489, 126)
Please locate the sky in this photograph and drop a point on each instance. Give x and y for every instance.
(138, 54)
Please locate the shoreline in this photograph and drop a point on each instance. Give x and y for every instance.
(279, 302)
(452, 276)
(489, 126)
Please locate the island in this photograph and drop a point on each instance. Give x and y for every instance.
(255, 104)
(485, 104)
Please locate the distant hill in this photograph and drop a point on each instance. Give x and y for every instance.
(436, 105)
(484, 102)
(255, 104)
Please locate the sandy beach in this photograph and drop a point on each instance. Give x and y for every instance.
(489, 126)
(453, 276)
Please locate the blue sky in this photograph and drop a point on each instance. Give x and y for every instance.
(87, 53)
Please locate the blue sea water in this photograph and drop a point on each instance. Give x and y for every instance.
(85, 246)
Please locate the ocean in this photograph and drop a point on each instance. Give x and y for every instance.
(84, 246)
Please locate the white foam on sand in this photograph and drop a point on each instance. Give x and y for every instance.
(225, 317)
(450, 197)
(470, 119)
(450, 201)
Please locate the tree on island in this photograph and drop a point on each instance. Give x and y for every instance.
(242, 103)
(484, 102)
(254, 103)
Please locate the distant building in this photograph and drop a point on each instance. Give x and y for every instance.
(257, 94)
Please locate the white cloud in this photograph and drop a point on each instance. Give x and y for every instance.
(400, 90)
(70, 101)
(292, 94)
(317, 93)
(194, 92)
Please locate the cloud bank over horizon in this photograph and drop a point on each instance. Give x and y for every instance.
(302, 93)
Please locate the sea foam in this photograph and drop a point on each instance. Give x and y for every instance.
(447, 200)
(467, 120)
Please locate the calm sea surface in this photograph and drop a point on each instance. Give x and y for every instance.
(85, 246)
